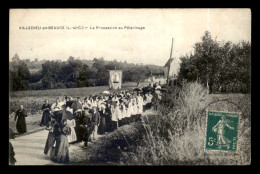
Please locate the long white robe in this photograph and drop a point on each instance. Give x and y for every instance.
(72, 136)
(129, 110)
(124, 114)
(139, 105)
(113, 114)
(118, 113)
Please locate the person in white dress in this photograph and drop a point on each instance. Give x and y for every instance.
(56, 106)
(114, 118)
(134, 112)
(139, 107)
(119, 113)
(123, 111)
(140, 102)
(94, 102)
(89, 102)
(129, 111)
(62, 103)
(72, 136)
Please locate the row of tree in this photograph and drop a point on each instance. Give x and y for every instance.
(226, 64)
(74, 73)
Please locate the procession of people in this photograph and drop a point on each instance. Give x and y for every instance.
(83, 119)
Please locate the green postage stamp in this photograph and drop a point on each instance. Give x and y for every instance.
(222, 131)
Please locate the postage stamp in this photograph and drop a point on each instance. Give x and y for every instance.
(222, 131)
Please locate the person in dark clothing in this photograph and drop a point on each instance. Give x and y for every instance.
(52, 127)
(69, 102)
(12, 159)
(78, 120)
(95, 121)
(61, 153)
(20, 117)
(103, 116)
(85, 127)
(108, 118)
(46, 107)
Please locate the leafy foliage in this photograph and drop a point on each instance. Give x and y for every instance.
(176, 136)
(18, 74)
(228, 65)
(75, 73)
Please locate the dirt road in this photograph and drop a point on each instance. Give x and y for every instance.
(29, 149)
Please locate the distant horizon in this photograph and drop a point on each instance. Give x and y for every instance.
(122, 61)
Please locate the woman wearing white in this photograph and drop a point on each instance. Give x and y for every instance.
(72, 136)
(123, 111)
(134, 112)
(120, 114)
(129, 111)
(94, 102)
(140, 102)
(117, 114)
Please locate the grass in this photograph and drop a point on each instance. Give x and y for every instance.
(32, 122)
(177, 137)
(34, 99)
(174, 135)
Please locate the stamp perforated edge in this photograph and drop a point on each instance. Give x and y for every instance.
(205, 135)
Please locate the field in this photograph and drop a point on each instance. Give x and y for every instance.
(177, 137)
(33, 101)
(172, 135)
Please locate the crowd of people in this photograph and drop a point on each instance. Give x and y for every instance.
(76, 120)
(82, 119)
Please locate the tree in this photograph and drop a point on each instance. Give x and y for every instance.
(82, 80)
(18, 74)
(225, 63)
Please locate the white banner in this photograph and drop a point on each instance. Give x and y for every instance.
(115, 79)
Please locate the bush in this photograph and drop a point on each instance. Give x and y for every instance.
(35, 86)
(71, 85)
(177, 136)
(59, 85)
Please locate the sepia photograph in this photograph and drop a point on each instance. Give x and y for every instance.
(130, 87)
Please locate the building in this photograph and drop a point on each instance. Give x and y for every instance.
(171, 68)
(156, 79)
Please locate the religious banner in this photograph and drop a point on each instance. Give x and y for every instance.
(115, 79)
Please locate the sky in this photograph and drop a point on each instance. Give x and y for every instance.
(151, 45)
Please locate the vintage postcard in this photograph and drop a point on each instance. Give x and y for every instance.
(130, 86)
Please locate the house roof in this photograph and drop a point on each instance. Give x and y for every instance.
(168, 62)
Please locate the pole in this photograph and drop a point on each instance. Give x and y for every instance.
(207, 77)
(169, 64)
